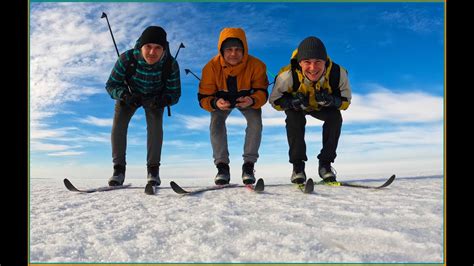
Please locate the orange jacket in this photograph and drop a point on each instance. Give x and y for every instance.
(251, 75)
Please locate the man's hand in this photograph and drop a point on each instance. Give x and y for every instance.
(162, 101)
(223, 104)
(296, 102)
(327, 100)
(244, 102)
(158, 101)
(132, 100)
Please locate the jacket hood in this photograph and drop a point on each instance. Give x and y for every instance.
(233, 33)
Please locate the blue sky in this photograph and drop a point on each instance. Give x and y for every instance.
(394, 53)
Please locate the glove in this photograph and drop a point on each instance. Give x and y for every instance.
(300, 102)
(132, 100)
(327, 100)
(161, 101)
(297, 102)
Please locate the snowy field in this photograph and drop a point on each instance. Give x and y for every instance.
(402, 223)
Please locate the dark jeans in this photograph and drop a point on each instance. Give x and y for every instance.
(154, 122)
(295, 131)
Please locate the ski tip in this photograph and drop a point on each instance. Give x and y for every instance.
(260, 185)
(176, 188)
(388, 182)
(309, 186)
(69, 185)
(149, 189)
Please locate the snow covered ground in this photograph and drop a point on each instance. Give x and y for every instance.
(402, 223)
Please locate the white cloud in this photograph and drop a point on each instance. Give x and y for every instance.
(195, 122)
(187, 145)
(40, 146)
(101, 122)
(394, 107)
(97, 138)
(42, 133)
(66, 153)
(415, 19)
(430, 134)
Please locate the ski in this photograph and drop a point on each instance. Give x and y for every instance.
(259, 186)
(149, 189)
(178, 189)
(307, 187)
(71, 187)
(349, 184)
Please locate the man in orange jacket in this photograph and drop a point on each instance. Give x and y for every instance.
(234, 79)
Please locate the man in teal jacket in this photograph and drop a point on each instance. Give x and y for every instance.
(147, 76)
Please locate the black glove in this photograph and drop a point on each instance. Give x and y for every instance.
(161, 101)
(132, 100)
(297, 102)
(327, 100)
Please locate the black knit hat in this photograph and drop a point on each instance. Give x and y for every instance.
(153, 34)
(311, 48)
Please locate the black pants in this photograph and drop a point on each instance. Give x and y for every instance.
(295, 131)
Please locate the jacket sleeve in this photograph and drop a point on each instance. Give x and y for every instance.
(283, 82)
(345, 88)
(116, 85)
(259, 84)
(207, 89)
(173, 84)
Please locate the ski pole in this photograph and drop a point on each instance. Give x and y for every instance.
(168, 108)
(180, 46)
(116, 49)
(187, 71)
(110, 29)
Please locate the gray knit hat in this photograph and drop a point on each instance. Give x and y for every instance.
(311, 48)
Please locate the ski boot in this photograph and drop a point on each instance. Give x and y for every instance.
(223, 174)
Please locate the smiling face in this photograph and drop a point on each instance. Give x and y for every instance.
(152, 52)
(313, 69)
(233, 55)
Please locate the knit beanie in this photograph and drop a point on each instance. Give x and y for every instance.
(311, 48)
(153, 34)
(231, 42)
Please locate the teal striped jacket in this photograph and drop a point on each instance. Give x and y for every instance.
(147, 78)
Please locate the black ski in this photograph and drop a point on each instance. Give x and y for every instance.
(178, 189)
(149, 189)
(307, 187)
(259, 186)
(349, 184)
(71, 187)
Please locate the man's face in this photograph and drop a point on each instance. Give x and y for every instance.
(313, 69)
(152, 52)
(233, 55)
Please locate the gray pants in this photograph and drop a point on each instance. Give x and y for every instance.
(253, 135)
(154, 127)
